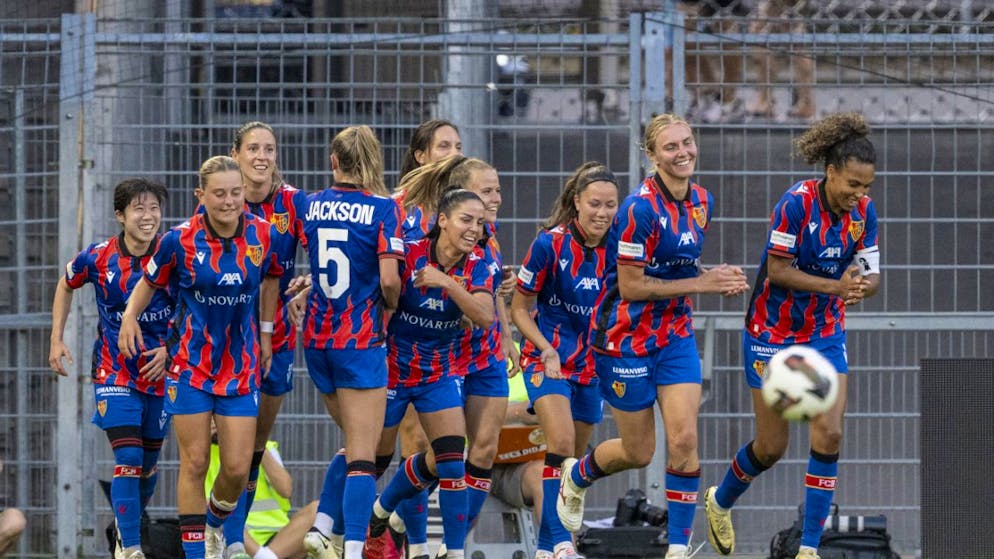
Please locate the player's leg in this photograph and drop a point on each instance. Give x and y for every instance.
(119, 412)
(823, 467)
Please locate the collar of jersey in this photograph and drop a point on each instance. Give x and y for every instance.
(823, 198)
(433, 259)
(581, 235)
(123, 247)
(214, 234)
(658, 181)
(346, 186)
(269, 197)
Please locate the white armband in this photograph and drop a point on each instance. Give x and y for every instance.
(266, 327)
(869, 261)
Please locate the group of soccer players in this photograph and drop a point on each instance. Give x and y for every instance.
(406, 324)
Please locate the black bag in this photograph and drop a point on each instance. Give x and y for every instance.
(623, 542)
(844, 537)
(160, 538)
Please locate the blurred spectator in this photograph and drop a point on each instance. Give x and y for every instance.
(786, 13)
(716, 75)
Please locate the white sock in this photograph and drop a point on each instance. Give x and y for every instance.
(454, 554)
(417, 549)
(323, 523)
(353, 549)
(265, 553)
(675, 547)
(379, 511)
(397, 523)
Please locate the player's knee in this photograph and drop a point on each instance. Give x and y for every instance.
(638, 455)
(195, 465)
(682, 444)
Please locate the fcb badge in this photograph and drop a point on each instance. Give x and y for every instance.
(619, 388)
(102, 407)
(537, 379)
(254, 252)
(700, 216)
(171, 391)
(856, 230)
(281, 222)
(759, 367)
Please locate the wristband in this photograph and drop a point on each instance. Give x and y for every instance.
(266, 327)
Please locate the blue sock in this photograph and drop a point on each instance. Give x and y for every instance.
(330, 502)
(452, 499)
(414, 512)
(357, 501)
(217, 512)
(234, 526)
(191, 529)
(551, 531)
(744, 468)
(411, 478)
(478, 482)
(586, 471)
(681, 499)
(819, 488)
(150, 470)
(124, 490)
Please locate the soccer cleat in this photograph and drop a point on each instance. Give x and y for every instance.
(379, 543)
(443, 552)
(806, 553)
(318, 546)
(543, 554)
(236, 551)
(213, 543)
(565, 550)
(134, 552)
(721, 534)
(569, 505)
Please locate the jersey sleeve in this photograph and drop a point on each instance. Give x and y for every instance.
(160, 267)
(299, 204)
(78, 269)
(636, 225)
(536, 267)
(867, 250)
(391, 241)
(480, 278)
(786, 222)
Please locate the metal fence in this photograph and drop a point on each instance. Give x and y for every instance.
(87, 101)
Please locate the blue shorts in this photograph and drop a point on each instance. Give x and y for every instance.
(279, 380)
(183, 399)
(756, 354)
(629, 383)
(361, 369)
(490, 382)
(120, 406)
(440, 395)
(586, 403)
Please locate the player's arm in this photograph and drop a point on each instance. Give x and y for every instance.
(130, 341)
(511, 352)
(635, 285)
(477, 306)
(390, 282)
(269, 294)
(278, 476)
(781, 272)
(521, 306)
(61, 306)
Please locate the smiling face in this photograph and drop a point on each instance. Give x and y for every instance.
(846, 186)
(141, 218)
(224, 200)
(256, 157)
(462, 226)
(596, 207)
(444, 142)
(486, 185)
(674, 153)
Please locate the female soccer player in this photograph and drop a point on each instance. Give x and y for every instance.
(433, 140)
(267, 196)
(128, 391)
(446, 278)
(643, 334)
(354, 247)
(820, 257)
(225, 278)
(562, 273)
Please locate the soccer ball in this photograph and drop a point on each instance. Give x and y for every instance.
(800, 383)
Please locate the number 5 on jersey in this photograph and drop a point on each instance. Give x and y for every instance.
(328, 253)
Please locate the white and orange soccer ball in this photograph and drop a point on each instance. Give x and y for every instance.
(799, 383)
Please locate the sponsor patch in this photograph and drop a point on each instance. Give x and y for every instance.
(396, 245)
(782, 239)
(631, 250)
(254, 253)
(151, 267)
(526, 275)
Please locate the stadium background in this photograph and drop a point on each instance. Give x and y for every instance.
(118, 88)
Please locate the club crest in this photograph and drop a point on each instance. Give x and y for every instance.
(619, 388)
(700, 216)
(856, 230)
(281, 222)
(102, 407)
(254, 253)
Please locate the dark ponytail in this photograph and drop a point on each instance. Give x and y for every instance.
(836, 139)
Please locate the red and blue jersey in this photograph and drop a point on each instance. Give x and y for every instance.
(114, 272)
(821, 243)
(348, 231)
(484, 346)
(213, 339)
(565, 276)
(664, 236)
(425, 332)
(415, 224)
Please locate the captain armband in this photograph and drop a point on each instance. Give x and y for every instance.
(869, 261)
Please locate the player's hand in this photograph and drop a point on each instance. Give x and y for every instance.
(507, 283)
(55, 355)
(430, 276)
(265, 352)
(724, 279)
(852, 286)
(155, 367)
(513, 356)
(129, 340)
(551, 364)
(296, 308)
(298, 284)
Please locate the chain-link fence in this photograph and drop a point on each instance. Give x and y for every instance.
(86, 101)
